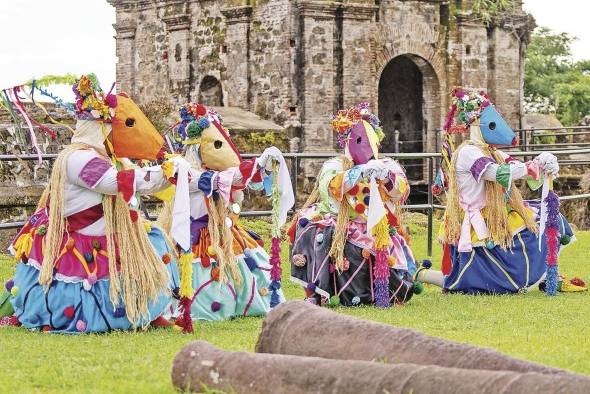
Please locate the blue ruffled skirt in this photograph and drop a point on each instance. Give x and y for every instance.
(68, 307)
(498, 271)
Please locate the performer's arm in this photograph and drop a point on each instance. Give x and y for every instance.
(335, 182)
(149, 180)
(87, 169)
(485, 168)
(396, 183)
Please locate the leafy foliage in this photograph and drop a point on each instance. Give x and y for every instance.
(552, 77)
(490, 10)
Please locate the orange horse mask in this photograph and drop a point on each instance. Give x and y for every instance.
(133, 135)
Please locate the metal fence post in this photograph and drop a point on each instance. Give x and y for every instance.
(526, 141)
(294, 175)
(430, 205)
(396, 141)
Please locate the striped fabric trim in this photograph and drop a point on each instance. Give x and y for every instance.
(479, 166)
(504, 176)
(463, 271)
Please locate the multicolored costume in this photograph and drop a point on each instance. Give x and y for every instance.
(86, 261)
(349, 246)
(494, 241)
(223, 269)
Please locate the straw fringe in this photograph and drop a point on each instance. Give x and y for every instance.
(222, 241)
(341, 231)
(495, 212)
(142, 276)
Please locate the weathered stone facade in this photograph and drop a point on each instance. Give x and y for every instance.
(297, 61)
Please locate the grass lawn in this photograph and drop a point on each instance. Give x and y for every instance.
(531, 326)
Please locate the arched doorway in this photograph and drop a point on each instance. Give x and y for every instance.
(210, 92)
(410, 102)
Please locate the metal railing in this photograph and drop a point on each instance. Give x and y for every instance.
(295, 159)
(529, 137)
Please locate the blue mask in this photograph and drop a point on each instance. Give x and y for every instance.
(494, 129)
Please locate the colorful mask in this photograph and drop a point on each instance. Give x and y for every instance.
(494, 129)
(202, 125)
(132, 135)
(474, 108)
(358, 133)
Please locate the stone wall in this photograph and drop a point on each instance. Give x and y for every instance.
(298, 61)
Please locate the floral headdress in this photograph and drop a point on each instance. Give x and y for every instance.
(194, 118)
(343, 121)
(467, 105)
(91, 101)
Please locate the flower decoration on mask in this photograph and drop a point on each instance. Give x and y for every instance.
(91, 101)
(343, 122)
(194, 118)
(467, 106)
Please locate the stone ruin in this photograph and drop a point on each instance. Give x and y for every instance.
(298, 61)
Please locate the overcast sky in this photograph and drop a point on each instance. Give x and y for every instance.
(58, 36)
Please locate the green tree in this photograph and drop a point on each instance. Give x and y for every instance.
(551, 75)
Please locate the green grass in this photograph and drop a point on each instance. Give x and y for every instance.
(531, 326)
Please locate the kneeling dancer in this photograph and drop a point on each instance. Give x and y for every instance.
(349, 246)
(495, 242)
(86, 263)
(223, 269)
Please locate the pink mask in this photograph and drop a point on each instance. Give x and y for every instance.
(362, 143)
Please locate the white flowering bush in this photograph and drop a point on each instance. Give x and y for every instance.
(538, 105)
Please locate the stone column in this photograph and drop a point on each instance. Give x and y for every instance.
(357, 76)
(473, 52)
(507, 46)
(318, 24)
(125, 51)
(178, 27)
(237, 39)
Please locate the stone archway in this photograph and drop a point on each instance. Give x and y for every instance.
(210, 92)
(409, 103)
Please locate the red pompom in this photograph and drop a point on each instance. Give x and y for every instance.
(166, 258)
(205, 261)
(201, 110)
(359, 208)
(111, 100)
(354, 190)
(578, 282)
(69, 312)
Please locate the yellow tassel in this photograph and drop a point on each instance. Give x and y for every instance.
(168, 169)
(185, 264)
(381, 234)
(23, 245)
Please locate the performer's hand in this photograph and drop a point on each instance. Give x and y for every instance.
(375, 169)
(170, 167)
(548, 163)
(268, 156)
(533, 169)
(392, 166)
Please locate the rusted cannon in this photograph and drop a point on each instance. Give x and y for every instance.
(299, 328)
(200, 367)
